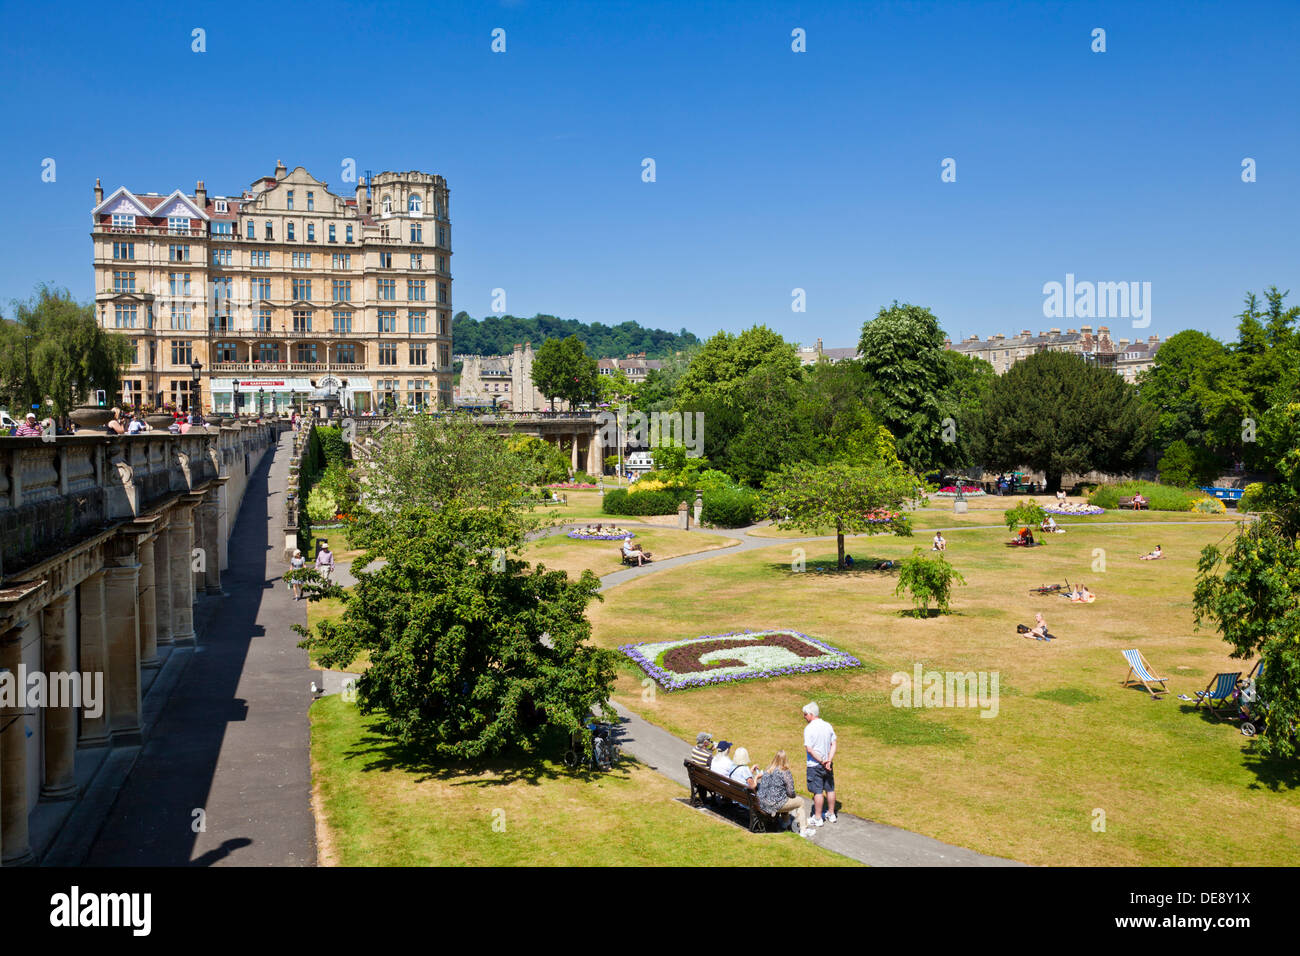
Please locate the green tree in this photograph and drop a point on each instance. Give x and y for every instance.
(902, 351)
(722, 365)
(546, 462)
(563, 369)
(1027, 514)
(471, 653)
(810, 497)
(970, 380)
(1248, 592)
(1058, 413)
(928, 577)
(55, 349)
(435, 461)
(1186, 389)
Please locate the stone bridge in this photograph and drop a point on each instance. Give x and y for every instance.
(105, 542)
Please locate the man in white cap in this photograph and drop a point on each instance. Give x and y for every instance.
(819, 741)
(28, 428)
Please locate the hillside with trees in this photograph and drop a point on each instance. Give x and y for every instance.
(498, 334)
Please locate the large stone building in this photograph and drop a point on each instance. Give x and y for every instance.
(1125, 357)
(279, 291)
(502, 381)
(636, 367)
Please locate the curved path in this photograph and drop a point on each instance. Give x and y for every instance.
(875, 844)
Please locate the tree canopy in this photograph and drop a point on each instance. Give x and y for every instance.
(1058, 413)
(498, 335)
(53, 348)
(563, 369)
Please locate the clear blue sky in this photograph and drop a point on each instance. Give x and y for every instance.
(775, 169)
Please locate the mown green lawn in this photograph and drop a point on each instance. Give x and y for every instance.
(1068, 744)
(386, 807)
(562, 553)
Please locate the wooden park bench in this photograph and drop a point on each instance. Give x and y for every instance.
(704, 781)
(1128, 503)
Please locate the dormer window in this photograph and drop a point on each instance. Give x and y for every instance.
(178, 224)
(123, 220)
(221, 206)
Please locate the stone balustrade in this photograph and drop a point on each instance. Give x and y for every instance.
(105, 542)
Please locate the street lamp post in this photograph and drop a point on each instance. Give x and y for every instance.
(261, 400)
(237, 410)
(196, 371)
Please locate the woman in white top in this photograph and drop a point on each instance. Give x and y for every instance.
(296, 564)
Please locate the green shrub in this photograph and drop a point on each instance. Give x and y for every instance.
(1159, 497)
(1209, 506)
(1029, 513)
(661, 502)
(729, 507)
(929, 577)
(321, 506)
(333, 447)
(1185, 467)
(1251, 498)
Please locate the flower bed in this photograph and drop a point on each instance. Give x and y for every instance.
(950, 491)
(880, 516)
(573, 486)
(1089, 510)
(741, 655)
(602, 536)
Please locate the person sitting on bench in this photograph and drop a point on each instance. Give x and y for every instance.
(741, 771)
(636, 553)
(1154, 555)
(722, 762)
(1138, 502)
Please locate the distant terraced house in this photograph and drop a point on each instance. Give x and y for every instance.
(1127, 358)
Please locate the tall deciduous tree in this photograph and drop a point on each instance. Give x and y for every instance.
(1056, 412)
(471, 653)
(722, 365)
(563, 369)
(902, 350)
(55, 349)
(809, 497)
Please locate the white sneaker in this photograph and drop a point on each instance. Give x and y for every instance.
(816, 822)
(806, 832)
(830, 818)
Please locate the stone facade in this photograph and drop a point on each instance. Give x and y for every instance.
(1000, 351)
(107, 539)
(505, 381)
(279, 287)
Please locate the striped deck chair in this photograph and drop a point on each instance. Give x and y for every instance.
(1220, 688)
(1257, 671)
(1139, 672)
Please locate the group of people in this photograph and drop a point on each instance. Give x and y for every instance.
(324, 565)
(1079, 594)
(126, 423)
(774, 786)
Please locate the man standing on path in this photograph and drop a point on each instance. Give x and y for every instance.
(820, 743)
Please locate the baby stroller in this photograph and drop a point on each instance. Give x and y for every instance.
(604, 748)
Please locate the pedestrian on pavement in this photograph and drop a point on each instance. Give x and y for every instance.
(297, 563)
(820, 744)
(325, 561)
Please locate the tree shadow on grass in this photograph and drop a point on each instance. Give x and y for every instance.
(1271, 772)
(381, 753)
(864, 568)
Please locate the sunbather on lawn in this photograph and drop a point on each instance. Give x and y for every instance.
(1153, 555)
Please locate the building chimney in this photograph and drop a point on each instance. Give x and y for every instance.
(361, 194)
(99, 192)
(280, 170)
(1153, 339)
(1025, 332)
(200, 195)
(1086, 329)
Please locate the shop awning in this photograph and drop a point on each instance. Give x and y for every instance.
(266, 384)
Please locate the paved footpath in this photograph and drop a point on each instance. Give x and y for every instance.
(233, 738)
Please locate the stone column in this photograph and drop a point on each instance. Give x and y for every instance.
(595, 454)
(94, 655)
(59, 657)
(208, 517)
(15, 842)
(180, 542)
(574, 454)
(162, 589)
(121, 598)
(148, 604)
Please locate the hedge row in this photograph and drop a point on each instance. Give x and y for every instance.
(724, 507)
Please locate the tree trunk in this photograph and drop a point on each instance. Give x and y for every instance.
(839, 534)
(1053, 482)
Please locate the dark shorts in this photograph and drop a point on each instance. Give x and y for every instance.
(820, 780)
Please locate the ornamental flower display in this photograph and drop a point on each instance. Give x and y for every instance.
(881, 516)
(950, 491)
(570, 484)
(740, 655)
(579, 534)
(1076, 510)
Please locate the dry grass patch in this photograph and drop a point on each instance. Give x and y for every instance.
(562, 553)
(1175, 786)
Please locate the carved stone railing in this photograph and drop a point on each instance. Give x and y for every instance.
(54, 493)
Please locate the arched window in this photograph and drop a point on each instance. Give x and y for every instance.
(388, 205)
(413, 204)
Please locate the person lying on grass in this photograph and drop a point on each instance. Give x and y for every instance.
(1038, 632)
(1153, 555)
(1080, 594)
